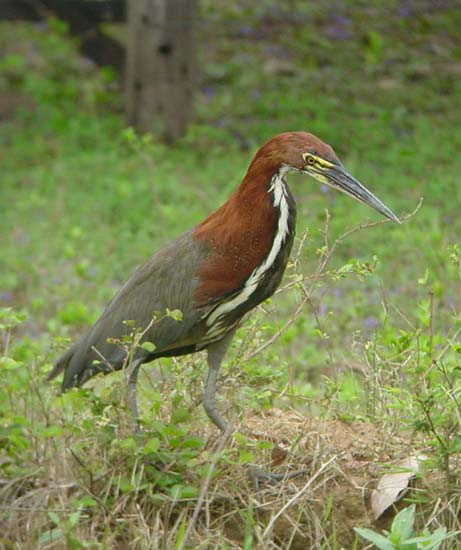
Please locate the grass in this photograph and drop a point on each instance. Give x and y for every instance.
(373, 350)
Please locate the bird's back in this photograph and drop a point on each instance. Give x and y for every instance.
(166, 281)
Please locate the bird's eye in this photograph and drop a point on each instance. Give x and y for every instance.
(310, 159)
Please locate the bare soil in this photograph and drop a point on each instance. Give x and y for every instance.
(343, 461)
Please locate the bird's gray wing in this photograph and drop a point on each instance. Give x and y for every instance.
(166, 281)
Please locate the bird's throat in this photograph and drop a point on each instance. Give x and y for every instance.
(248, 238)
(266, 276)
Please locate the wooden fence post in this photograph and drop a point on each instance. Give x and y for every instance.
(160, 66)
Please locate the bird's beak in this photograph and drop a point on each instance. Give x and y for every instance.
(337, 177)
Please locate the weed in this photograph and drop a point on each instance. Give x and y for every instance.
(402, 535)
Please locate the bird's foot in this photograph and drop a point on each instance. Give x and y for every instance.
(258, 476)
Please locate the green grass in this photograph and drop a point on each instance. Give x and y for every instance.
(84, 201)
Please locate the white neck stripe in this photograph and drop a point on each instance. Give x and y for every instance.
(278, 189)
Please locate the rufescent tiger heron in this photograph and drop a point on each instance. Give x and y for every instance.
(214, 273)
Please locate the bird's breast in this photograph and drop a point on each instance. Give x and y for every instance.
(249, 251)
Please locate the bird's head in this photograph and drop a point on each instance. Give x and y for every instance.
(305, 153)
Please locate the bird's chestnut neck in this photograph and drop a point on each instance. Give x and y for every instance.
(260, 174)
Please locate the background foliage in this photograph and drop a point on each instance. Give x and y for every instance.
(85, 200)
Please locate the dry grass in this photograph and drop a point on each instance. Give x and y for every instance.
(315, 511)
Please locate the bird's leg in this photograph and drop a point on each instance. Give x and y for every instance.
(131, 394)
(216, 354)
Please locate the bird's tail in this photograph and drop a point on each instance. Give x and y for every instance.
(81, 362)
(61, 364)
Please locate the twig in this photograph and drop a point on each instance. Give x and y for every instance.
(283, 329)
(320, 271)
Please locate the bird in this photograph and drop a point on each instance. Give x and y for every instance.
(214, 273)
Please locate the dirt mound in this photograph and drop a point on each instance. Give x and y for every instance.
(344, 462)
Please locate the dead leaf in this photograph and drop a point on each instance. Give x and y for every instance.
(393, 486)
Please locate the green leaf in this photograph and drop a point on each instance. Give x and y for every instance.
(54, 518)
(181, 533)
(129, 443)
(51, 431)
(378, 540)
(7, 363)
(125, 485)
(179, 491)
(265, 445)
(151, 446)
(402, 525)
(172, 431)
(148, 346)
(175, 314)
(87, 501)
(179, 415)
(192, 443)
(73, 518)
(51, 535)
(240, 438)
(245, 456)
(432, 541)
